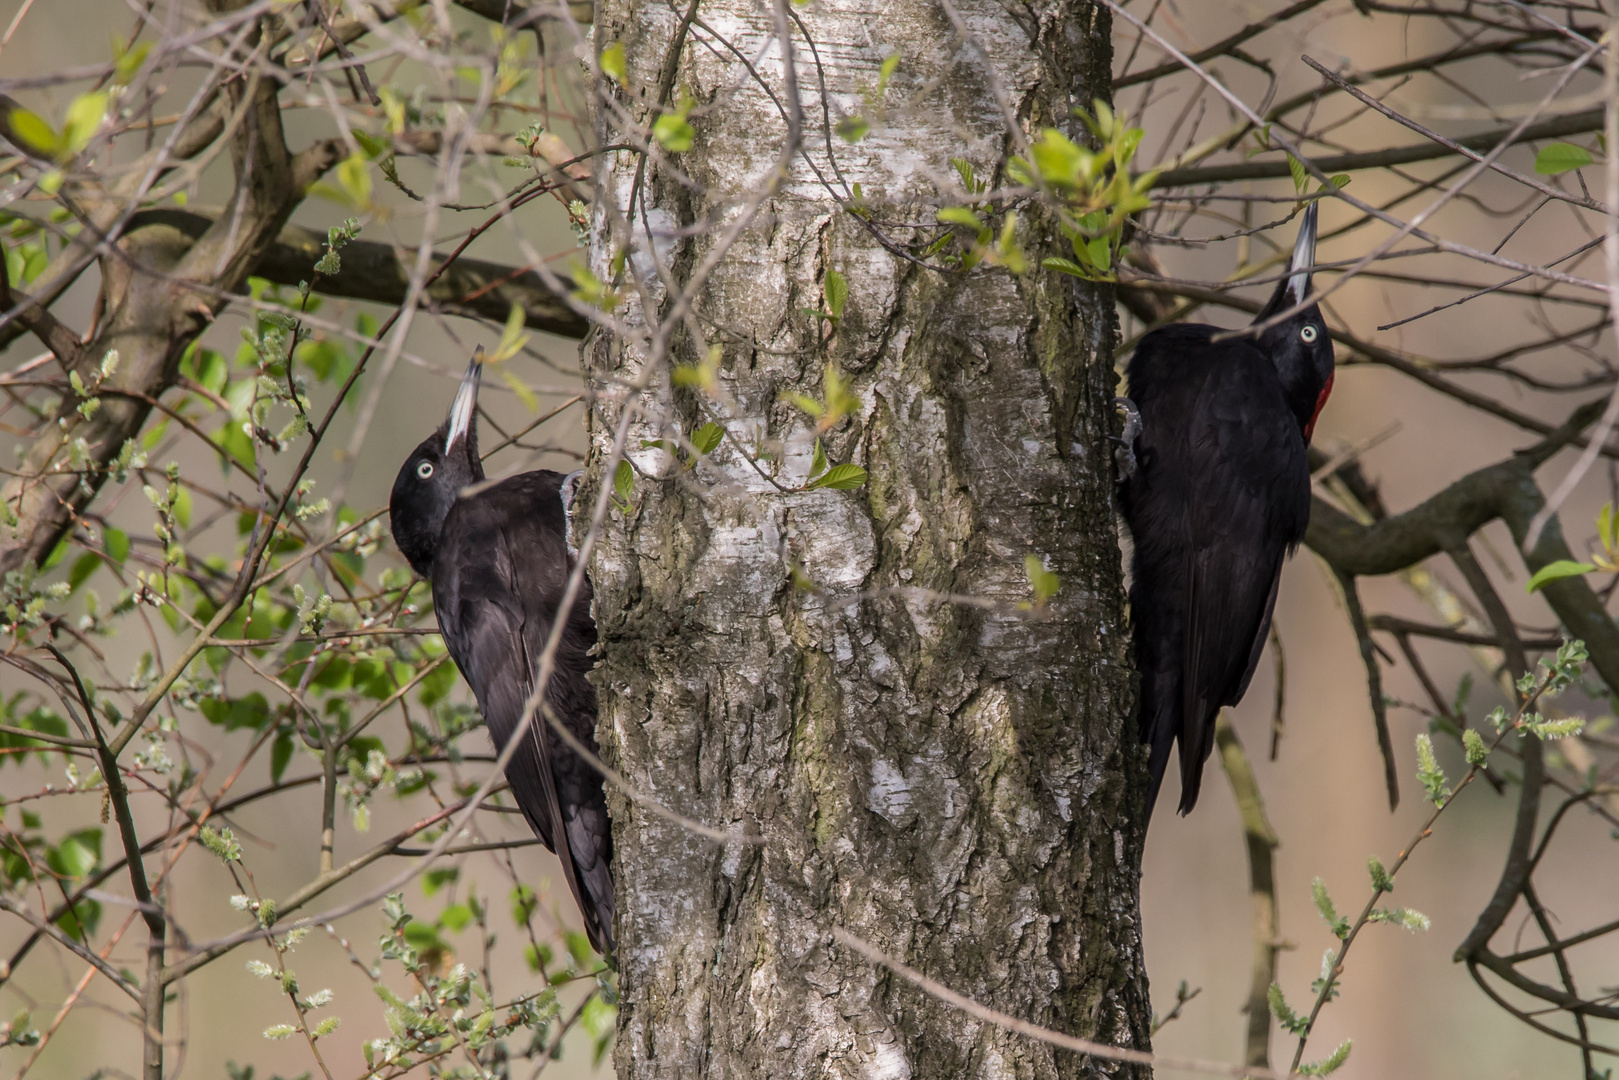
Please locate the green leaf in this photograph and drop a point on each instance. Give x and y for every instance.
(436, 684)
(600, 1021)
(1042, 582)
(1557, 158)
(818, 461)
(839, 478)
(837, 293)
(886, 72)
(234, 441)
(579, 948)
(706, 438)
(960, 215)
(1058, 159)
(31, 133)
(1301, 175)
(280, 756)
(83, 567)
(512, 338)
(1101, 252)
(623, 483)
(78, 854)
(116, 541)
(456, 917)
(84, 118)
(852, 128)
(1066, 266)
(1557, 571)
(612, 62)
(530, 400)
(370, 144)
(673, 132)
(129, 61)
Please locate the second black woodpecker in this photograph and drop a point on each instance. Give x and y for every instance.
(1219, 498)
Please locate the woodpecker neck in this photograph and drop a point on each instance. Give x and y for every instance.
(1320, 403)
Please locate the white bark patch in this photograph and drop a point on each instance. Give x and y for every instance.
(889, 1063)
(890, 793)
(832, 538)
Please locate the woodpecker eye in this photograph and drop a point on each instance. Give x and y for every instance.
(424, 470)
(1308, 334)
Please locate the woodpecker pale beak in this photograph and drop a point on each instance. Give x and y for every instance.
(464, 410)
(1298, 282)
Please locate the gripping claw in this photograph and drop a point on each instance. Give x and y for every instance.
(1124, 455)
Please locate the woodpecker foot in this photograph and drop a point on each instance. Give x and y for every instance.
(1124, 455)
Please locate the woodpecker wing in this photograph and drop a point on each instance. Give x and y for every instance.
(1222, 494)
(498, 582)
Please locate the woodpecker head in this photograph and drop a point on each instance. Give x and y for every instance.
(432, 478)
(1299, 345)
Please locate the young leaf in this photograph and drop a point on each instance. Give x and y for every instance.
(623, 484)
(843, 477)
(706, 438)
(837, 293)
(1101, 252)
(673, 132)
(818, 461)
(1557, 571)
(852, 129)
(1066, 266)
(1560, 157)
(960, 215)
(1301, 175)
(1042, 582)
(612, 62)
(84, 118)
(116, 541)
(30, 132)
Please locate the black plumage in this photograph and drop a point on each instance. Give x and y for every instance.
(1219, 498)
(498, 558)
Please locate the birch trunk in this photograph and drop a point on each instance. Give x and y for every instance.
(957, 784)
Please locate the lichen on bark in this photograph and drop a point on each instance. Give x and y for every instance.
(956, 782)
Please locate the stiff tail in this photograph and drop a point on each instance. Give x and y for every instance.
(1160, 700)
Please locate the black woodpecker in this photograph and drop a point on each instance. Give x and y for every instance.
(1219, 498)
(498, 558)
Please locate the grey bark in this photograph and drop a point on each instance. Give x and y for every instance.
(957, 784)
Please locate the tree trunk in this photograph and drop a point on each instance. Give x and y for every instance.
(957, 783)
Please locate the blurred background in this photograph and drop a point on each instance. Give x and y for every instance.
(1409, 1009)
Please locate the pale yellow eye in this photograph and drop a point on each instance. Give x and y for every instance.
(424, 470)
(1308, 334)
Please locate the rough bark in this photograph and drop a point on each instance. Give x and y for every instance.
(954, 783)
